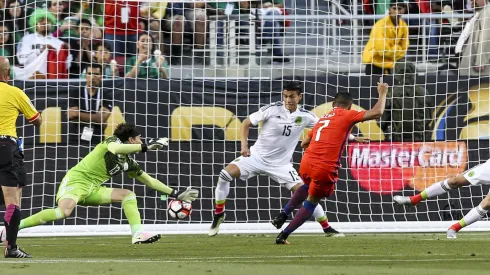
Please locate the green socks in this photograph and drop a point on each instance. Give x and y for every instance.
(47, 215)
(130, 207)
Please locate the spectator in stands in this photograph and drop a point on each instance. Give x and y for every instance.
(122, 25)
(58, 9)
(438, 27)
(388, 42)
(146, 64)
(185, 17)
(88, 110)
(473, 45)
(81, 48)
(153, 14)
(409, 108)
(6, 48)
(91, 10)
(272, 31)
(15, 20)
(227, 8)
(102, 54)
(41, 54)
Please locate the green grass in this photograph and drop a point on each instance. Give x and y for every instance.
(257, 254)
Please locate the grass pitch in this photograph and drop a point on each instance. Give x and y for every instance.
(257, 254)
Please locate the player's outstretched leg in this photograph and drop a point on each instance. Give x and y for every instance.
(130, 207)
(434, 190)
(304, 213)
(299, 196)
(474, 215)
(48, 215)
(221, 193)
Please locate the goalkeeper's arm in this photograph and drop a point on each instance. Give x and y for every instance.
(118, 148)
(187, 195)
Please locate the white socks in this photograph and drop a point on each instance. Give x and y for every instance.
(223, 187)
(318, 212)
(474, 215)
(437, 189)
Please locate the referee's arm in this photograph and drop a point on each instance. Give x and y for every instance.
(28, 109)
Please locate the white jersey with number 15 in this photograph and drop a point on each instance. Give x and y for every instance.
(280, 132)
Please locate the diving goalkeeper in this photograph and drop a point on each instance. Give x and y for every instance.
(83, 184)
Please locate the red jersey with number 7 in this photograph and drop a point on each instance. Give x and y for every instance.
(329, 136)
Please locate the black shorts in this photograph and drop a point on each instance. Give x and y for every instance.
(12, 171)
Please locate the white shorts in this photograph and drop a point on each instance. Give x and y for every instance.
(285, 175)
(479, 174)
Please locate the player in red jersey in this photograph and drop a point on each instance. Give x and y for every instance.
(321, 161)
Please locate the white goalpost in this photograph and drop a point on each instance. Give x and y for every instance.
(198, 96)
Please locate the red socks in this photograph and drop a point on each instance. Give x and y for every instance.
(324, 224)
(220, 208)
(416, 199)
(456, 227)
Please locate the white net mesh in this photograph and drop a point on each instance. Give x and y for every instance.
(193, 71)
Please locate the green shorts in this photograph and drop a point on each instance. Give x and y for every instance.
(78, 188)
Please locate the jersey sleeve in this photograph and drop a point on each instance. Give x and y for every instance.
(134, 169)
(313, 121)
(355, 116)
(26, 107)
(262, 114)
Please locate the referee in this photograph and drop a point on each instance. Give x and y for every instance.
(12, 173)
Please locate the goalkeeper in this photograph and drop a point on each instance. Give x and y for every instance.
(83, 184)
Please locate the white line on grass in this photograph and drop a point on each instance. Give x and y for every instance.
(208, 260)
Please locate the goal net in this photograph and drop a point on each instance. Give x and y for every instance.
(194, 71)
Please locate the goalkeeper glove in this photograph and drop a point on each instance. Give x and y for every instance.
(189, 195)
(155, 144)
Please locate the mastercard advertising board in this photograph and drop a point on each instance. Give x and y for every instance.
(390, 167)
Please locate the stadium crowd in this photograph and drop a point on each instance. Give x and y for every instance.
(57, 39)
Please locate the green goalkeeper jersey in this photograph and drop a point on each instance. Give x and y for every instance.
(100, 164)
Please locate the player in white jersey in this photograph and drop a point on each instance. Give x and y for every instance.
(283, 125)
(477, 175)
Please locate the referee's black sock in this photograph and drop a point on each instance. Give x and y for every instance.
(12, 220)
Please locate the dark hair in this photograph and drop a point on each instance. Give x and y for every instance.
(153, 44)
(399, 3)
(342, 99)
(126, 130)
(85, 21)
(94, 66)
(293, 86)
(103, 44)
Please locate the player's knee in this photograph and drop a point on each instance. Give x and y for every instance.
(457, 182)
(485, 203)
(128, 196)
(232, 171)
(66, 211)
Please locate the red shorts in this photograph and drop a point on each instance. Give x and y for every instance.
(321, 180)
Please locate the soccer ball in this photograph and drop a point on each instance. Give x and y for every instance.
(179, 210)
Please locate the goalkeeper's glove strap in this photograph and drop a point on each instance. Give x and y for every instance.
(144, 148)
(175, 194)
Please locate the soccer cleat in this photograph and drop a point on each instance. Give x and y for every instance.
(451, 233)
(217, 221)
(16, 253)
(330, 232)
(145, 237)
(279, 220)
(282, 238)
(3, 235)
(403, 200)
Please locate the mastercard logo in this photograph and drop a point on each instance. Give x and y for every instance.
(390, 167)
